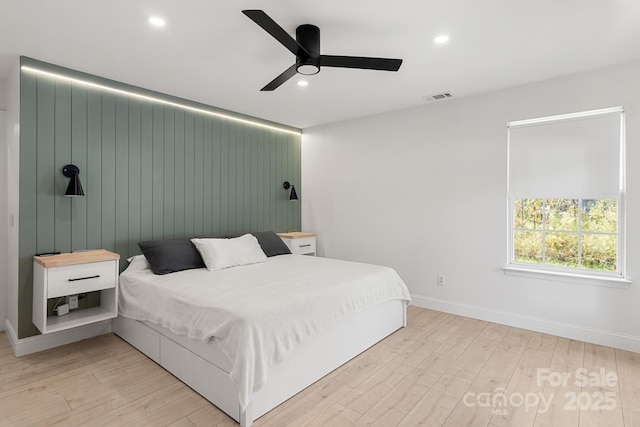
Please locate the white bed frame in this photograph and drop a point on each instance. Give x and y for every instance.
(204, 368)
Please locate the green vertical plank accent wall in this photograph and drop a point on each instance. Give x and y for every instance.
(198, 173)
(168, 184)
(146, 172)
(78, 158)
(134, 177)
(224, 179)
(91, 180)
(189, 178)
(179, 174)
(108, 176)
(122, 180)
(149, 171)
(207, 149)
(62, 144)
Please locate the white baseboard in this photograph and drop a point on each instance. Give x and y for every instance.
(34, 344)
(581, 333)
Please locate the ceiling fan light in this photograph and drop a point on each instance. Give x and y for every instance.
(308, 69)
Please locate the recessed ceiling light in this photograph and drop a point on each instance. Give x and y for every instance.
(441, 39)
(156, 21)
(303, 83)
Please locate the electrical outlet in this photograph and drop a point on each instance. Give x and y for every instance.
(63, 309)
(72, 300)
(441, 280)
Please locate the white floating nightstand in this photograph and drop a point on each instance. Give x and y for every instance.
(299, 242)
(58, 276)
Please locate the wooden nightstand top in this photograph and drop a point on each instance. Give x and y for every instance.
(74, 258)
(296, 235)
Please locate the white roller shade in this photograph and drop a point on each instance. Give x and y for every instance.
(566, 157)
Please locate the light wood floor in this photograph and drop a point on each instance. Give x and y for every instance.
(440, 370)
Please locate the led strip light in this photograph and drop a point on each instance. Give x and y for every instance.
(158, 100)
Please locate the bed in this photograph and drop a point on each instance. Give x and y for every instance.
(250, 337)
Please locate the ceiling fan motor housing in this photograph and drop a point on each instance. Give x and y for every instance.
(308, 36)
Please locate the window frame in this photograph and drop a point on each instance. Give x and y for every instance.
(580, 274)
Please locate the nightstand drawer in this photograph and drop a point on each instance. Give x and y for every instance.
(72, 279)
(300, 243)
(304, 245)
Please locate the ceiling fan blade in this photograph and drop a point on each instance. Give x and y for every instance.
(384, 64)
(286, 75)
(276, 31)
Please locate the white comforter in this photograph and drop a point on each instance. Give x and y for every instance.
(257, 313)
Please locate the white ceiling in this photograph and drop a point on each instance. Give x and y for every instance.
(210, 52)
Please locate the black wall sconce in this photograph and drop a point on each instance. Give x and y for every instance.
(75, 188)
(293, 195)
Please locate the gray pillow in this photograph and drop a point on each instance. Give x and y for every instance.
(271, 243)
(171, 255)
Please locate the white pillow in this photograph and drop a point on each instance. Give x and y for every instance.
(138, 262)
(218, 254)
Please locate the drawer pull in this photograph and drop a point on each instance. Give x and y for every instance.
(304, 246)
(85, 278)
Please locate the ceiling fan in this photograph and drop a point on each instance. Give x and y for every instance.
(306, 48)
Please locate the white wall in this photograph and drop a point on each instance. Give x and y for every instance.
(3, 203)
(3, 218)
(3, 95)
(10, 173)
(424, 191)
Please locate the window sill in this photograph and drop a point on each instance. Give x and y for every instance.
(612, 282)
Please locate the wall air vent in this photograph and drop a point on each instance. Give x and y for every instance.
(438, 97)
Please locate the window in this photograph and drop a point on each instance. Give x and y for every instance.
(566, 187)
